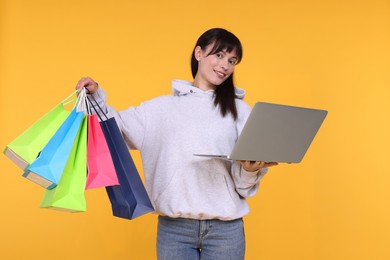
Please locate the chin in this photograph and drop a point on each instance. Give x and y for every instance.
(220, 82)
(217, 82)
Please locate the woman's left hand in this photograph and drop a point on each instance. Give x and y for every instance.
(252, 166)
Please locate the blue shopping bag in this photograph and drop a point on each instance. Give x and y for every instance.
(47, 168)
(129, 199)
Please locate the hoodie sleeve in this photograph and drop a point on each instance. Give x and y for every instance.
(130, 121)
(246, 183)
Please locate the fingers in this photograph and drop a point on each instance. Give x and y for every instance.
(253, 163)
(256, 165)
(87, 83)
(270, 164)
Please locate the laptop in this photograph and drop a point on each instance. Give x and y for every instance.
(276, 133)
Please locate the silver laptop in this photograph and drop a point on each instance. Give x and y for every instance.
(276, 133)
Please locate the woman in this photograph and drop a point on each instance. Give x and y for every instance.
(200, 201)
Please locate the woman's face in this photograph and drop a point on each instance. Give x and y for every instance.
(213, 69)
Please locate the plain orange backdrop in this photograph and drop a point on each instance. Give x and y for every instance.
(326, 54)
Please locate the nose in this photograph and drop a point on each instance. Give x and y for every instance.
(224, 64)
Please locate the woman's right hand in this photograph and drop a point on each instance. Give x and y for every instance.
(87, 83)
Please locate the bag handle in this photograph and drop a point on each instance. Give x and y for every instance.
(94, 108)
(80, 106)
(67, 100)
(88, 105)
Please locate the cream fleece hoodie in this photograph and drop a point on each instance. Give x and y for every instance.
(168, 131)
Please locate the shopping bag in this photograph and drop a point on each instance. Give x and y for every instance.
(24, 149)
(131, 189)
(129, 199)
(68, 195)
(101, 171)
(47, 169)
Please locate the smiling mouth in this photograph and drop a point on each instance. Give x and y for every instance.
(220, 74)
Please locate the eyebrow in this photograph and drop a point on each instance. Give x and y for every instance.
(234, 57)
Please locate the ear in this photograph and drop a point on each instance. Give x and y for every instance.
(198, 53)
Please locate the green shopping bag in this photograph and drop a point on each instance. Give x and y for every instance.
(24, 149)
(68, 195)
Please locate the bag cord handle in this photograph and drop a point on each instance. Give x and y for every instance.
(94, 108)
(66, 101)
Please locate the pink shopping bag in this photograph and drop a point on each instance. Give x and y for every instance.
(101, 170)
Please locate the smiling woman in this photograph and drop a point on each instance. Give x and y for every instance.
(195, 195)
(327, 53)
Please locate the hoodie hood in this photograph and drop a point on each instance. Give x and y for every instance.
(183, 87)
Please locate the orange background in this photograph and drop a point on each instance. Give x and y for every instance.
(331, 55)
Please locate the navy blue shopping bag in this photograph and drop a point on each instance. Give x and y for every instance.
(129, 199)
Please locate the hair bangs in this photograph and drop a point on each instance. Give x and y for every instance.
(227, 44)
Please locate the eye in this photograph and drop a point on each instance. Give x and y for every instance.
(219, 55)
(233, 62)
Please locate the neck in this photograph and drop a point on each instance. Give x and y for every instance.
(203, 85)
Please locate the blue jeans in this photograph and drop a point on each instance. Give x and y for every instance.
(190, 239)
